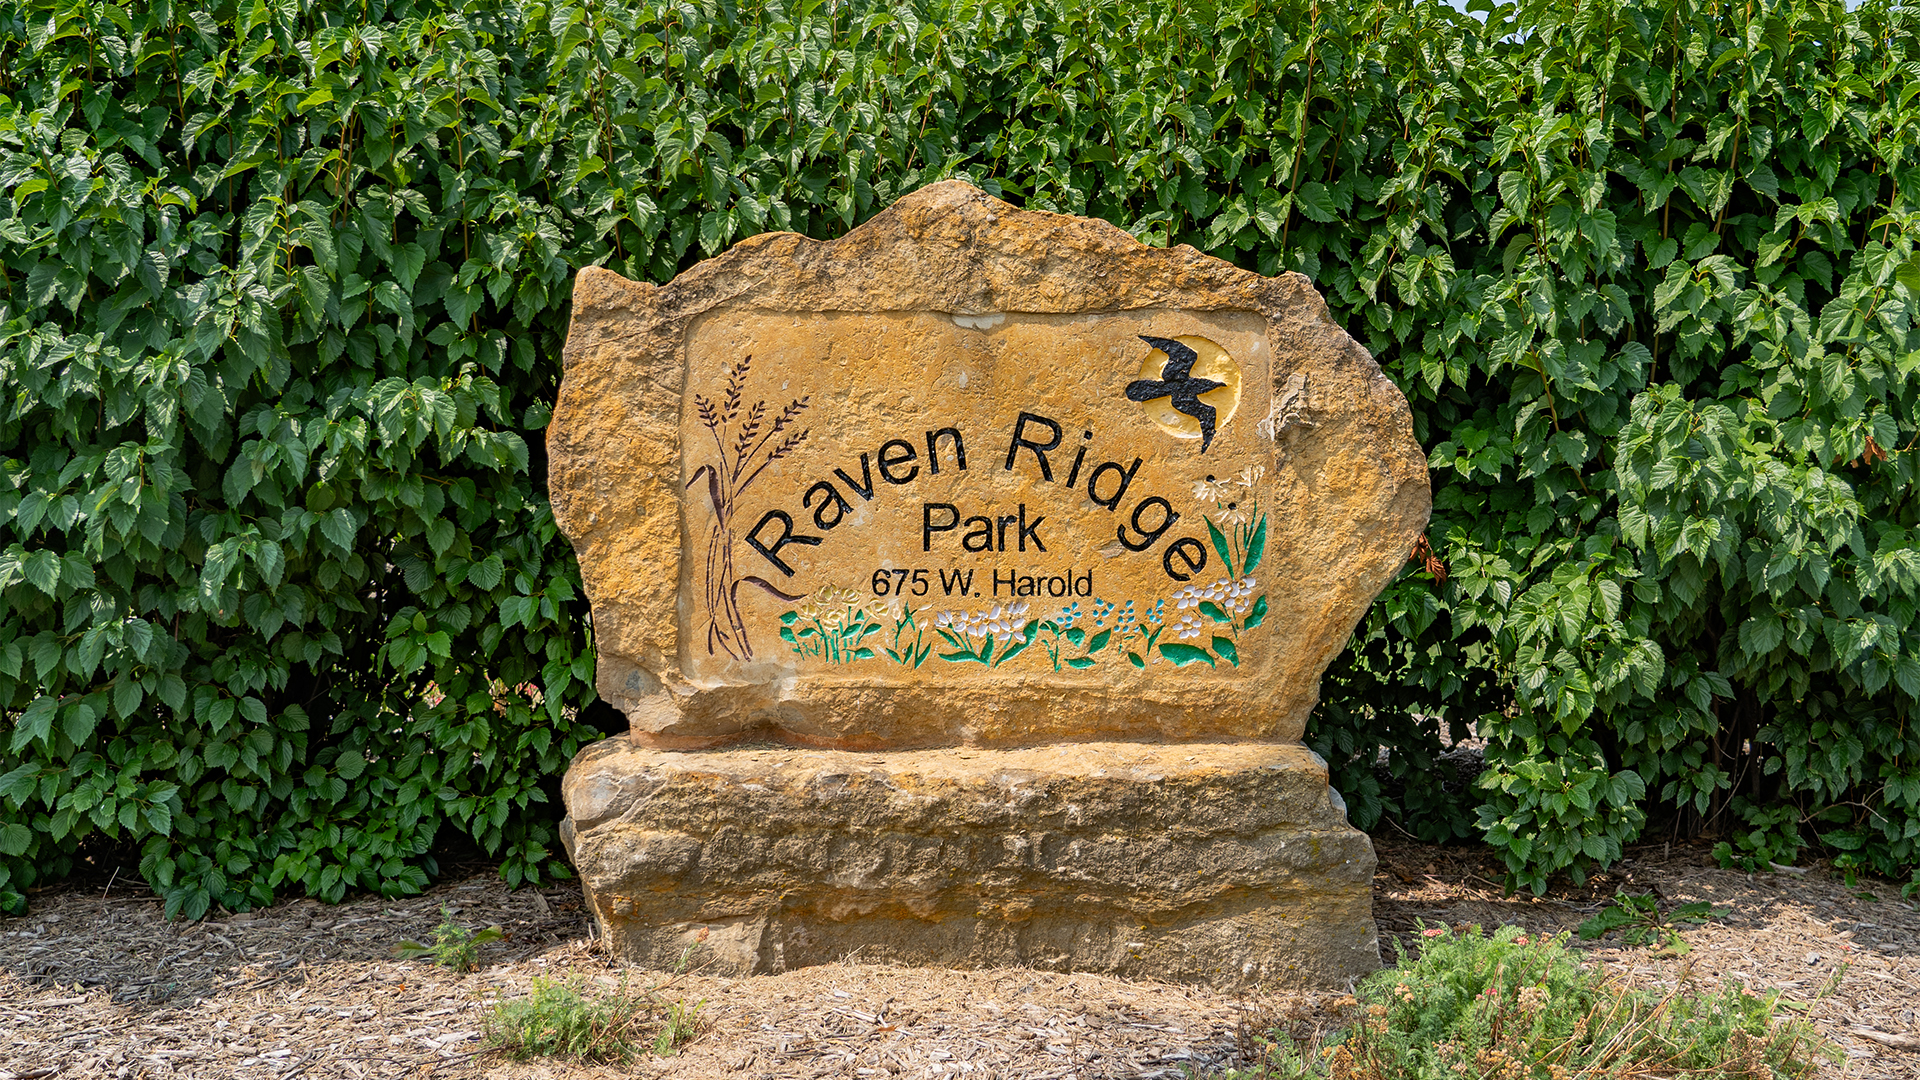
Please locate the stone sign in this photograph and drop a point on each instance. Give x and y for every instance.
(970, 475)
(967, 582)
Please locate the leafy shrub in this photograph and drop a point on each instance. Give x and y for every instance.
(282, 288)
(280, 592)
(1511, 1006)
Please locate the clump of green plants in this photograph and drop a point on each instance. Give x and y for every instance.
(1639, 920)
(455, 947)
(565, 1019)
(1512, 1005)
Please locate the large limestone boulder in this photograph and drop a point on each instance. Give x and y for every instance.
(1228, 865)
(971, 475)
(967, 582)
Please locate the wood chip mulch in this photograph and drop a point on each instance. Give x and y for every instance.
(100, 985)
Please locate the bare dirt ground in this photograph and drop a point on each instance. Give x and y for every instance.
(97, 984)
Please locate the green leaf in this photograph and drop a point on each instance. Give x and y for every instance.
(42, 569)
(440, 535)
(1257, 614)
(78, 721)
(17, 786)
(1256, 547)
(1079, 662)
(172, 691)
(159, 818)
(339, 527)
(126, 696)
(488, 573)
(1219, 545)
(1224, 647)
(1315, 202)
(1183, 654)
(15, 839)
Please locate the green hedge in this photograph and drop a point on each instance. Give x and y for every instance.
(285, 282)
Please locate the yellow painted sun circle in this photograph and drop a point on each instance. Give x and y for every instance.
(1212, 362)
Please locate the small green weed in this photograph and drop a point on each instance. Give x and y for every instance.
(454, 946)
(1514, 1007)
(1639, 920)
(561, 1019)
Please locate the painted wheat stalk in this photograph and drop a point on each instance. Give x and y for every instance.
(746, 443)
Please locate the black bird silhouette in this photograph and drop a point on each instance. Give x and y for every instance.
(1177, 382)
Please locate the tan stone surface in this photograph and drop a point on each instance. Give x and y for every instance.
(1228, 865)
(796, 386)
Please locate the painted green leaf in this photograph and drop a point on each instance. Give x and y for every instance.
(1134, 659)
(1257, 614)
(1075, 635)
(1214, 611)
(1219, 545)
(1256, 547)
(1183, 654)
(863, 653)
(1099, 641)
(1225, 648)
(1080, 662)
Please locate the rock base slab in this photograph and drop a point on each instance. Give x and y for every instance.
(1227, 865)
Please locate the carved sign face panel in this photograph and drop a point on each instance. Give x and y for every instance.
(974, 475)
(910, 496)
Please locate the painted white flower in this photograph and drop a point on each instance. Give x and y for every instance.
(1251, 475)
(944, 619)
(1235, 514)
(1209, 490)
